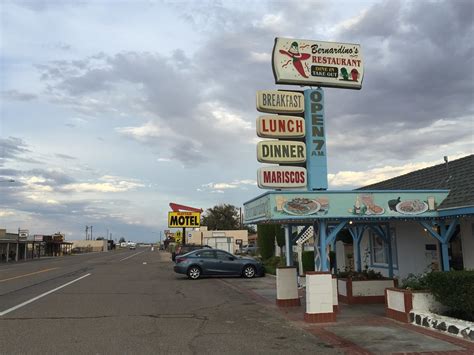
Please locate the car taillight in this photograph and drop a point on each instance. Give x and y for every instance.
(180, 260)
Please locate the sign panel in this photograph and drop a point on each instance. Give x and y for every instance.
(365, 205)
(178, 238)
(315, 140)
(281, 152)
(315, 63)
(281, 177)
(278, 126)
(257, 209)
(274, 101)
(184, 219)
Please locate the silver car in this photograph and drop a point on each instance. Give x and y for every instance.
(204, 262)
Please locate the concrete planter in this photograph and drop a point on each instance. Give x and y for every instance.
(363, 292)
(399, 303)
(421, 309)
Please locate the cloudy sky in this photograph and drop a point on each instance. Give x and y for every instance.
(110, 110)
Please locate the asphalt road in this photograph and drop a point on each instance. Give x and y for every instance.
(131, 302)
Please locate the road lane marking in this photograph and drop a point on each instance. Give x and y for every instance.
(41, 296)
(25, 275)
(131, 256)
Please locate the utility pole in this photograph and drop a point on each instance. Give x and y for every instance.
(87, 232)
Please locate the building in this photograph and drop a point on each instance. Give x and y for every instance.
(229, 240)
(417, 246)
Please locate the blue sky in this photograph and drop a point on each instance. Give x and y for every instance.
(111, 110)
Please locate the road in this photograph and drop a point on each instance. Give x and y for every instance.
(131, 302)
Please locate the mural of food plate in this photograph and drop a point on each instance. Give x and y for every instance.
(301, 206)
(365, 205)
(412, 207)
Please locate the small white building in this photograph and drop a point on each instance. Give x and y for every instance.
(229, 240)
(417, 245)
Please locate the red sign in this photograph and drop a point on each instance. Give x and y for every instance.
(281, 177)
(274, 126)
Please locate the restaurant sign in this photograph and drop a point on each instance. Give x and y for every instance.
(365, 205)
(275, 101)
(315, 63)
(276, 126)
(184, 219)
(281, 177)
(281, 152)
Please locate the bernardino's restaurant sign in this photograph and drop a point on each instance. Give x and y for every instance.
(316, 63)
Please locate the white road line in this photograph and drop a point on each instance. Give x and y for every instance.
(40, 296)
(131, 256)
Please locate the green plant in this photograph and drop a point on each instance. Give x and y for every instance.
(266, 240)
(308, 260)
(368, 274)
(454, 289)
(272, 263)
(414, 282)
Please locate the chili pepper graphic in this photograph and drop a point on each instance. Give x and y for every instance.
(354, 74)
(345, 74)
(297, 57)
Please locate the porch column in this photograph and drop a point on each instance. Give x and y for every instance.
(444, 237)
(317, 255)
(323, 245)
(17, 250)
(287, 245)
(356, 233)
(26, 248)
(8, 252)
(390, 255)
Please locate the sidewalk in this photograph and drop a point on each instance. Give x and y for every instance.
(360, 329)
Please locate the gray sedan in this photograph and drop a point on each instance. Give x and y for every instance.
(216, 262)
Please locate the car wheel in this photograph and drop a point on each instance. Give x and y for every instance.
(249, 271)
(194, 272)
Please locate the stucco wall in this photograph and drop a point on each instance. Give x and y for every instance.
(96, 245)
(411, 240)
(194, 237)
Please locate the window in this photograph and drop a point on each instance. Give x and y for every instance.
(207, 254)
(223, 256)
(379, 250)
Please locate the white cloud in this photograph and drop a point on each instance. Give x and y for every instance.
(6, 213)
(261, 57)
(221, 186)
(144, 132)
(353, 179)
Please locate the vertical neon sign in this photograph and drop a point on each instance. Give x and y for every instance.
(316, 158)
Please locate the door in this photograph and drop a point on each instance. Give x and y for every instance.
(227, 263)
(206, 259)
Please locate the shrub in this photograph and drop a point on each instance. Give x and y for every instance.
(308, 260)
(266, 240)
(272, 263)
(454, 289)
(414, 282)
(367, 274)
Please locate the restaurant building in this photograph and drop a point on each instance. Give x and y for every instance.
(416, 245)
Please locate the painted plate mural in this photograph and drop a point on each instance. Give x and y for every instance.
(412, 207)
(301, 206)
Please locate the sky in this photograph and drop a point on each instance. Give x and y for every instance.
(110, 110)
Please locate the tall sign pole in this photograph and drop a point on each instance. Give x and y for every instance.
(316, 162)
